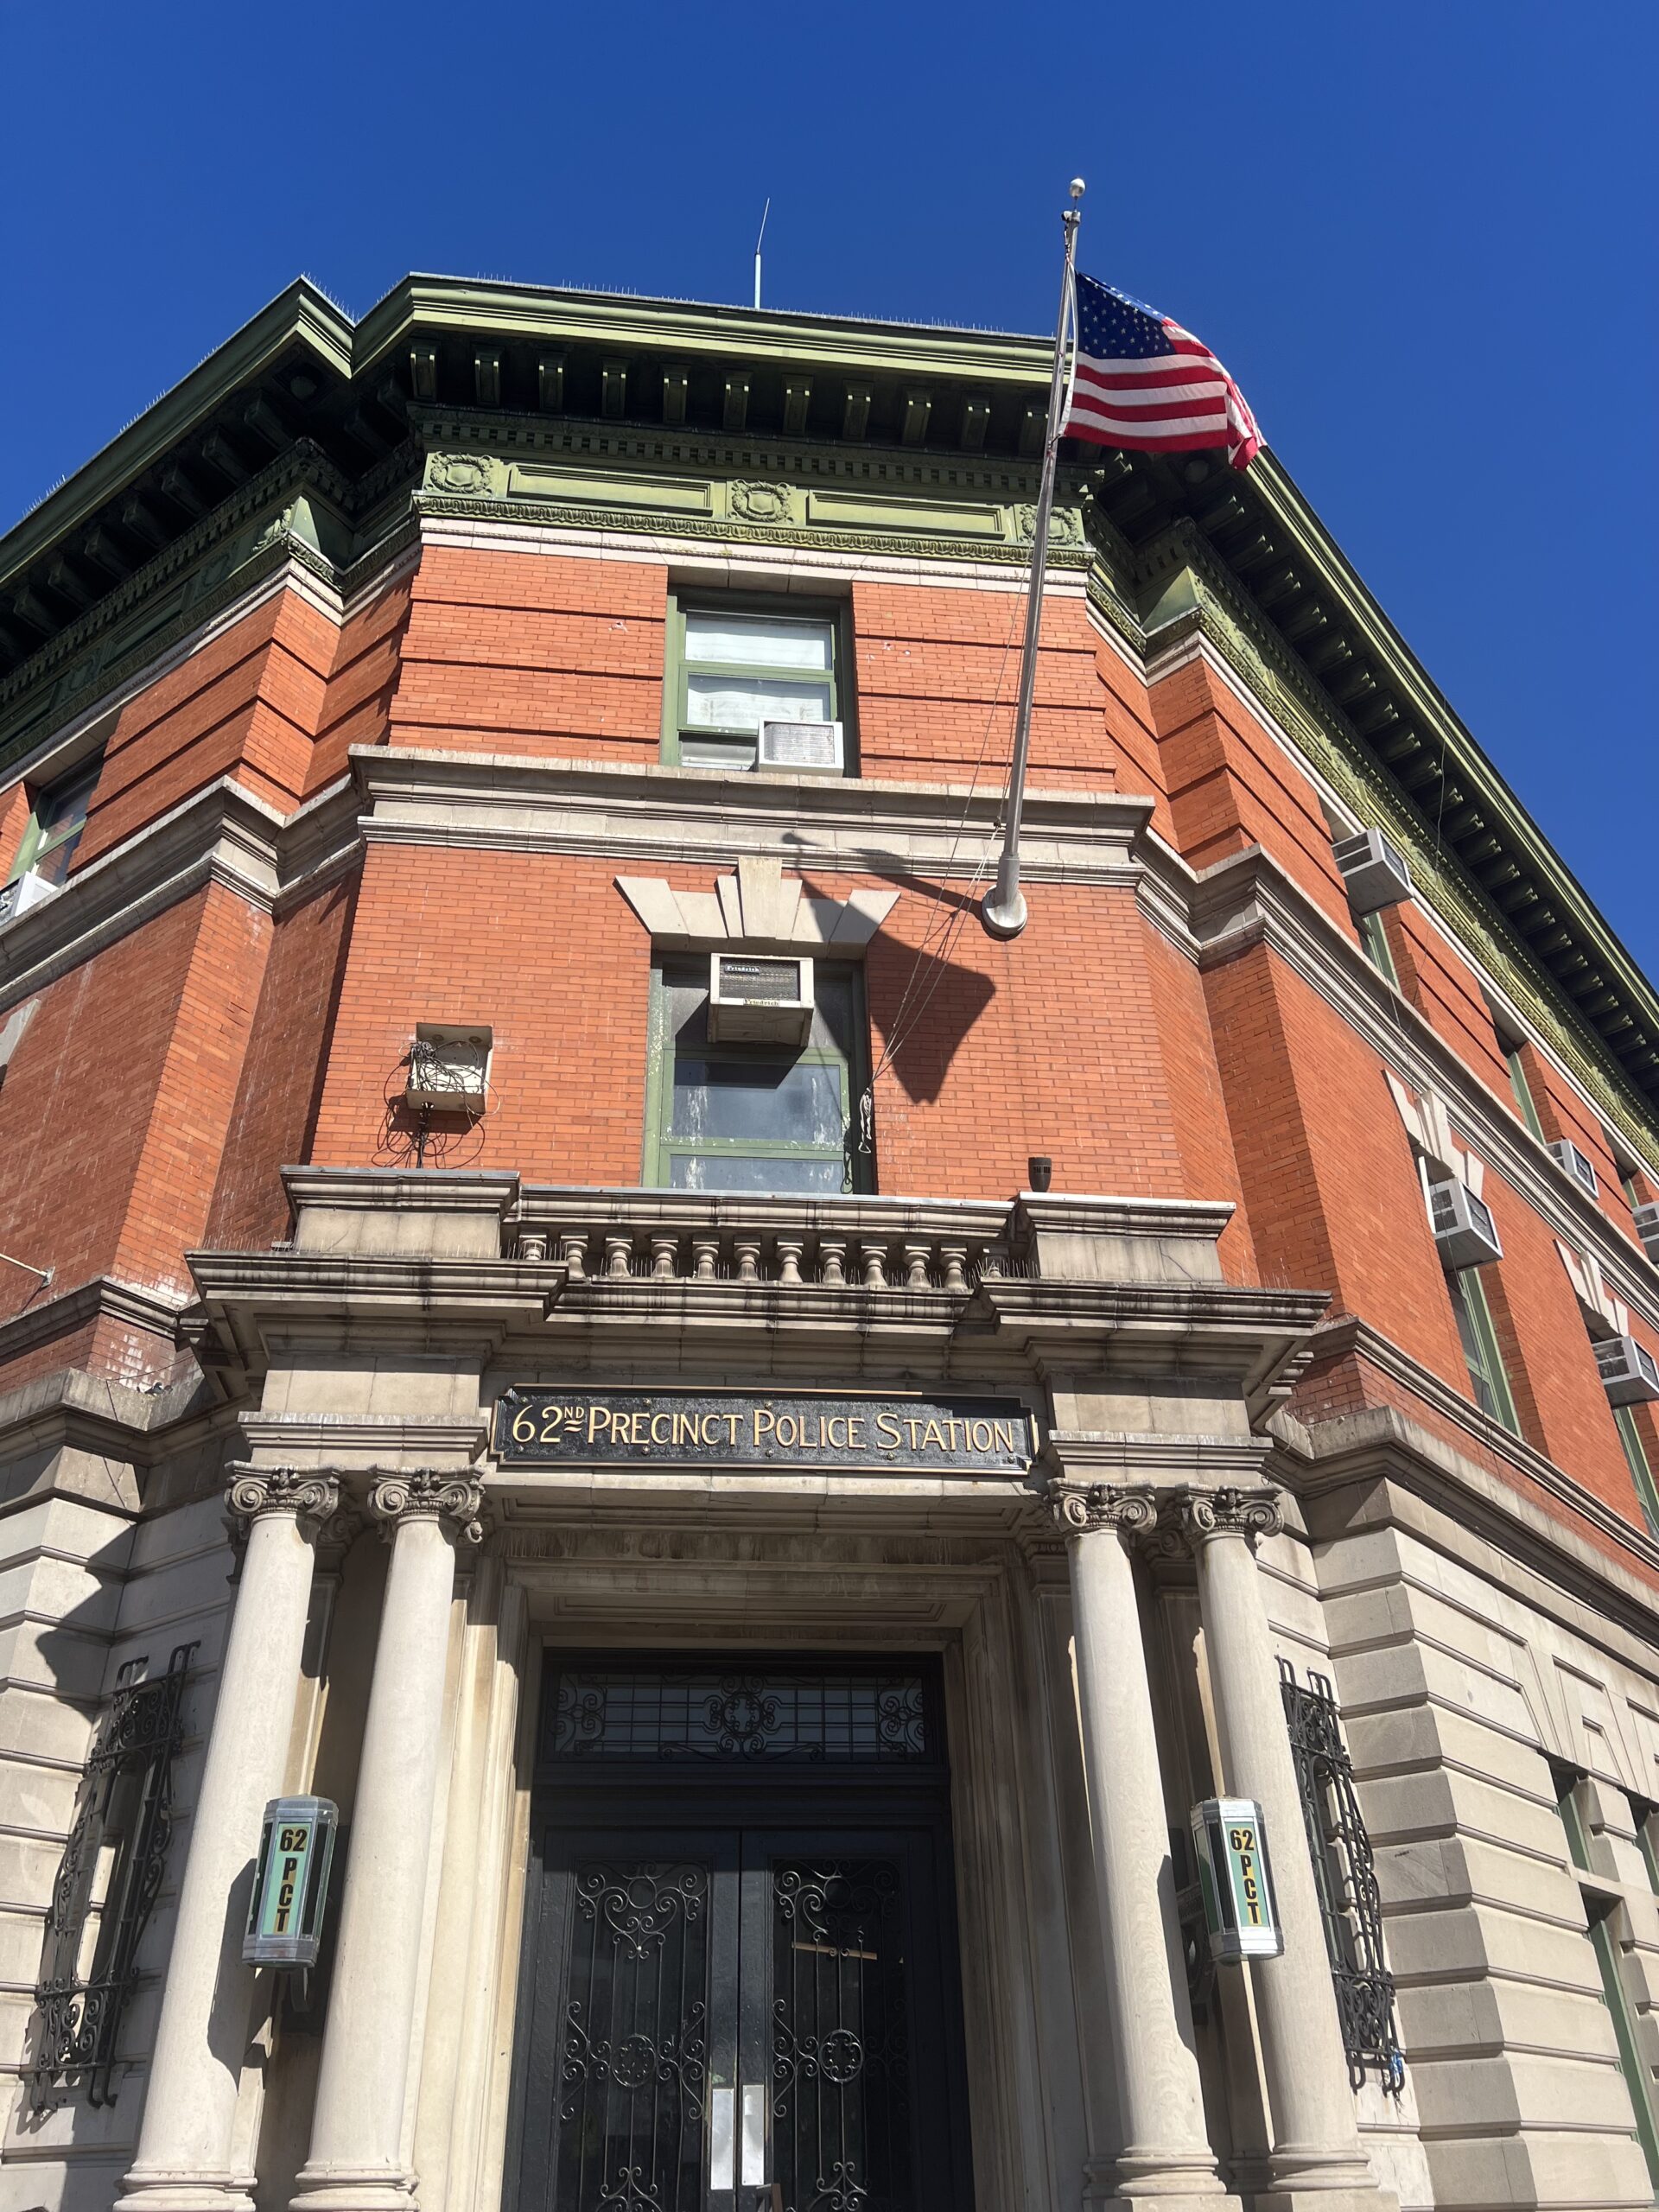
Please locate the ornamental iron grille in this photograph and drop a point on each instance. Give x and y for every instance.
(841, 2116)
(634, 2055)
(1344, 1873)
(106, 1883)
(600, 1714)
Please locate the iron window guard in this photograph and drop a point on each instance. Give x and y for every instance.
(78, 2018)
(1345, 1872)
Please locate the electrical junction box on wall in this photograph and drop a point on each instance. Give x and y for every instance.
(759, 1002)
(448, 1068)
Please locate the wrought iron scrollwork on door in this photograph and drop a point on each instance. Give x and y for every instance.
(124, 1818)
(634, 2057)
(1346, 1873)
(741, 1717)
(840, 2038)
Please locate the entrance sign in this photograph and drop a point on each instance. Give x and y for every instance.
(291, 1883)
(740, 1428)
(1236, 1880)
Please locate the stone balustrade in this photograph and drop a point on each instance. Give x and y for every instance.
(785, 1242)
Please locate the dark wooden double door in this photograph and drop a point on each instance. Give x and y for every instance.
(739, 1986)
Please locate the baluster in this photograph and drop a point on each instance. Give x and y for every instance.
(573, 1249)
(532, 1244)
(832, 1260)
(619, 1253)
(954, 1257)
(665, 1254)
(915, 1259)
(747, 1250)
(705, 1256)
(789, 1260)
(875, 1258)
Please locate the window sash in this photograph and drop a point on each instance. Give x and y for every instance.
(1636, 1459)
(736, 745)
(1481, 1348)
(1374, 937)
(1522, 1089)
(663, 1146)
(56, 822)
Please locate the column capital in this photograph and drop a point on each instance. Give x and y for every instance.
(308, 1494)
(1079, 1508)
(1203, 1515)
(455, 1502)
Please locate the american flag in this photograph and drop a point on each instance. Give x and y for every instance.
(1140, 380)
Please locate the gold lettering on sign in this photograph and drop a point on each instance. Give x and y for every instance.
(886, 1431)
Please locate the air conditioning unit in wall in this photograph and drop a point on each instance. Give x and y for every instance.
(1464, 1228)
(23, 891)
(1630, 1374)
(1374, 873)
(448, 1068)
(756, 1001)
(820, 747)
(1647, 1228)
(1566, 1153)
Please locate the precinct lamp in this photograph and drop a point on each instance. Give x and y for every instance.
(1236, 1880)
(291, 1883)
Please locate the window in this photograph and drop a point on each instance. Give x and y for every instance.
(1374, 938)
(1637, 1458)
(54, 828)
(1479, 1340)
(734, 664)
(1600, 1906)
(1526, 1104)
(757, 1117)
(112, 1866)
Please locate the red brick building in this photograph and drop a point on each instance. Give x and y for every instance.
(499, 1051)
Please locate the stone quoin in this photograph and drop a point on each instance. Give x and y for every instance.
(757, 1450)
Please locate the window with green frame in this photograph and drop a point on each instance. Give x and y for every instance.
(734, 663)
(1599, 1908)
(1522, 1089)
(756, 1117)
(1374, 937)
(1636, 1459)
(56, 825)
(1479, 1339)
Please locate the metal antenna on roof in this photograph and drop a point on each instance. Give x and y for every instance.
(765, 212)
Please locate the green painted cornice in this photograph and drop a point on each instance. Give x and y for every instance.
(299, 321)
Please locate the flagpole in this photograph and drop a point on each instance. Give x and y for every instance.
(1003, 908)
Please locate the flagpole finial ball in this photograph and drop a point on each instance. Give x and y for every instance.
(1077, 187)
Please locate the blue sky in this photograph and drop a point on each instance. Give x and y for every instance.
(1420, 236)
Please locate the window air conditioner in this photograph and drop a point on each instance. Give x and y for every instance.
(1373, 872)
(759, 1002)
(1630, 1374)
(1463, 1226)
(1568, 1156)
(448, 1068)
(23, 891)
(1647, 1228)
(819, 746)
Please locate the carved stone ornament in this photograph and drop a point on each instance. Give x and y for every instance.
(1250, 1513)
(256, 1492)
(426, 1494)
(1078, 1509)
(762, 502)
(1065, 524)
(464, 473)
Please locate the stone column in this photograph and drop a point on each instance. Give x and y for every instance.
(356, 2162)
(186, 2144)
(1166, 2154)
(1316, 2158)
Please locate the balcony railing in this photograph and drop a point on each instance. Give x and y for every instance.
(791, 1242)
